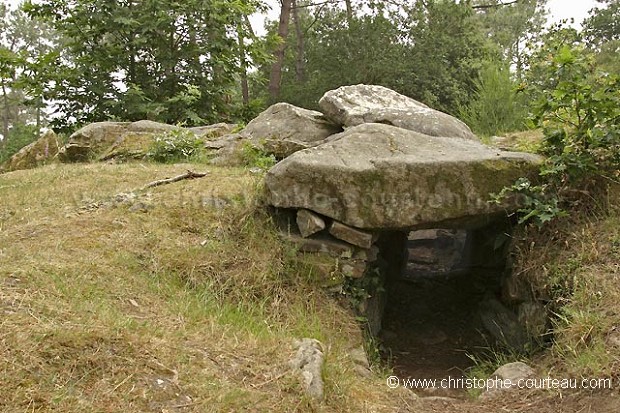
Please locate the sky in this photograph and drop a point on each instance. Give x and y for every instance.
(566, 9)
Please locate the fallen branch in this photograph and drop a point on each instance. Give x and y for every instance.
(188, 175)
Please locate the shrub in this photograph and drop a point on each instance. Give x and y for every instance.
(175, 145)
(253, 156)
(497, 107)
(580, 117)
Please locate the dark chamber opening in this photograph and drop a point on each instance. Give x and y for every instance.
(435, 284)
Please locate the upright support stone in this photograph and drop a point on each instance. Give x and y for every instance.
(309, 223)
(351, 235)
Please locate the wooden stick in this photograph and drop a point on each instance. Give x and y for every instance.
(188, 175)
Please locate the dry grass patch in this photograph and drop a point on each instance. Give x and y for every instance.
(188, 303)
(574, 267)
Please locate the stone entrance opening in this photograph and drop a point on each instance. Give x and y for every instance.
(432, 299)
(439, 289)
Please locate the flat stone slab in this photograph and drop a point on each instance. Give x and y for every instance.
(376, 176)
(351, 235)
(320, 245)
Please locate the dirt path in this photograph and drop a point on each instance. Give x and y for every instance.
(431, 329)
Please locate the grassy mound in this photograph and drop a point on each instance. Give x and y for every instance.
(574, 265)
(183, 299)
(188, 302)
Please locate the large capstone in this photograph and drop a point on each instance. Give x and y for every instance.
(358, 104)
(376, 176)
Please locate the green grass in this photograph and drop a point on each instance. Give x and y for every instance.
(193, 305)
(100, 302)
(573, 265)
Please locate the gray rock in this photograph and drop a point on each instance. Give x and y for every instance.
(309, 223)
(368, 255)
(423, 234)
(308, 361)
(358, 104)
(510, 374)
(362, 366)
(351, 235)
(503, 324)
(378, 176)
(213, 131)
(353, 268)
(283, 129)
(150, 126)
(534, 318)
(91, 139)
(514, 372)
(312, 245)
(373, 307)
(359, 357)
(107, 140)
(37, 153)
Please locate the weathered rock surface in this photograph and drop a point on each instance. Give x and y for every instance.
(111, 140)
(510, 374)
(95, 139)
(351, 235)
(213, 131)
(327, 246)
(309, 223)
(283, 129)
(358, 104)
(375, 176)
(353, 268)
(503, 324)
(309, 362)
(435, 251)
(35, 154)
(514, 372)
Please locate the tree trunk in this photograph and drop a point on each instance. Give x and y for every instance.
(275, 77)
(38, 114)
(245, 90)
(300, 67)
(6, 115)
(349, 12)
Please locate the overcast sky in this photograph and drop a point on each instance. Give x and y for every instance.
(566, 9)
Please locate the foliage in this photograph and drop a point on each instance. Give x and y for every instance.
(513, 28)
(28, 51)
(496, 106)
(580, 116)
(535, 201)
(602, 32)
(359, 290)
(448, 48)
(175, 145)
(254, 157)
(169, 61)
(430, 51)
(338, 54)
